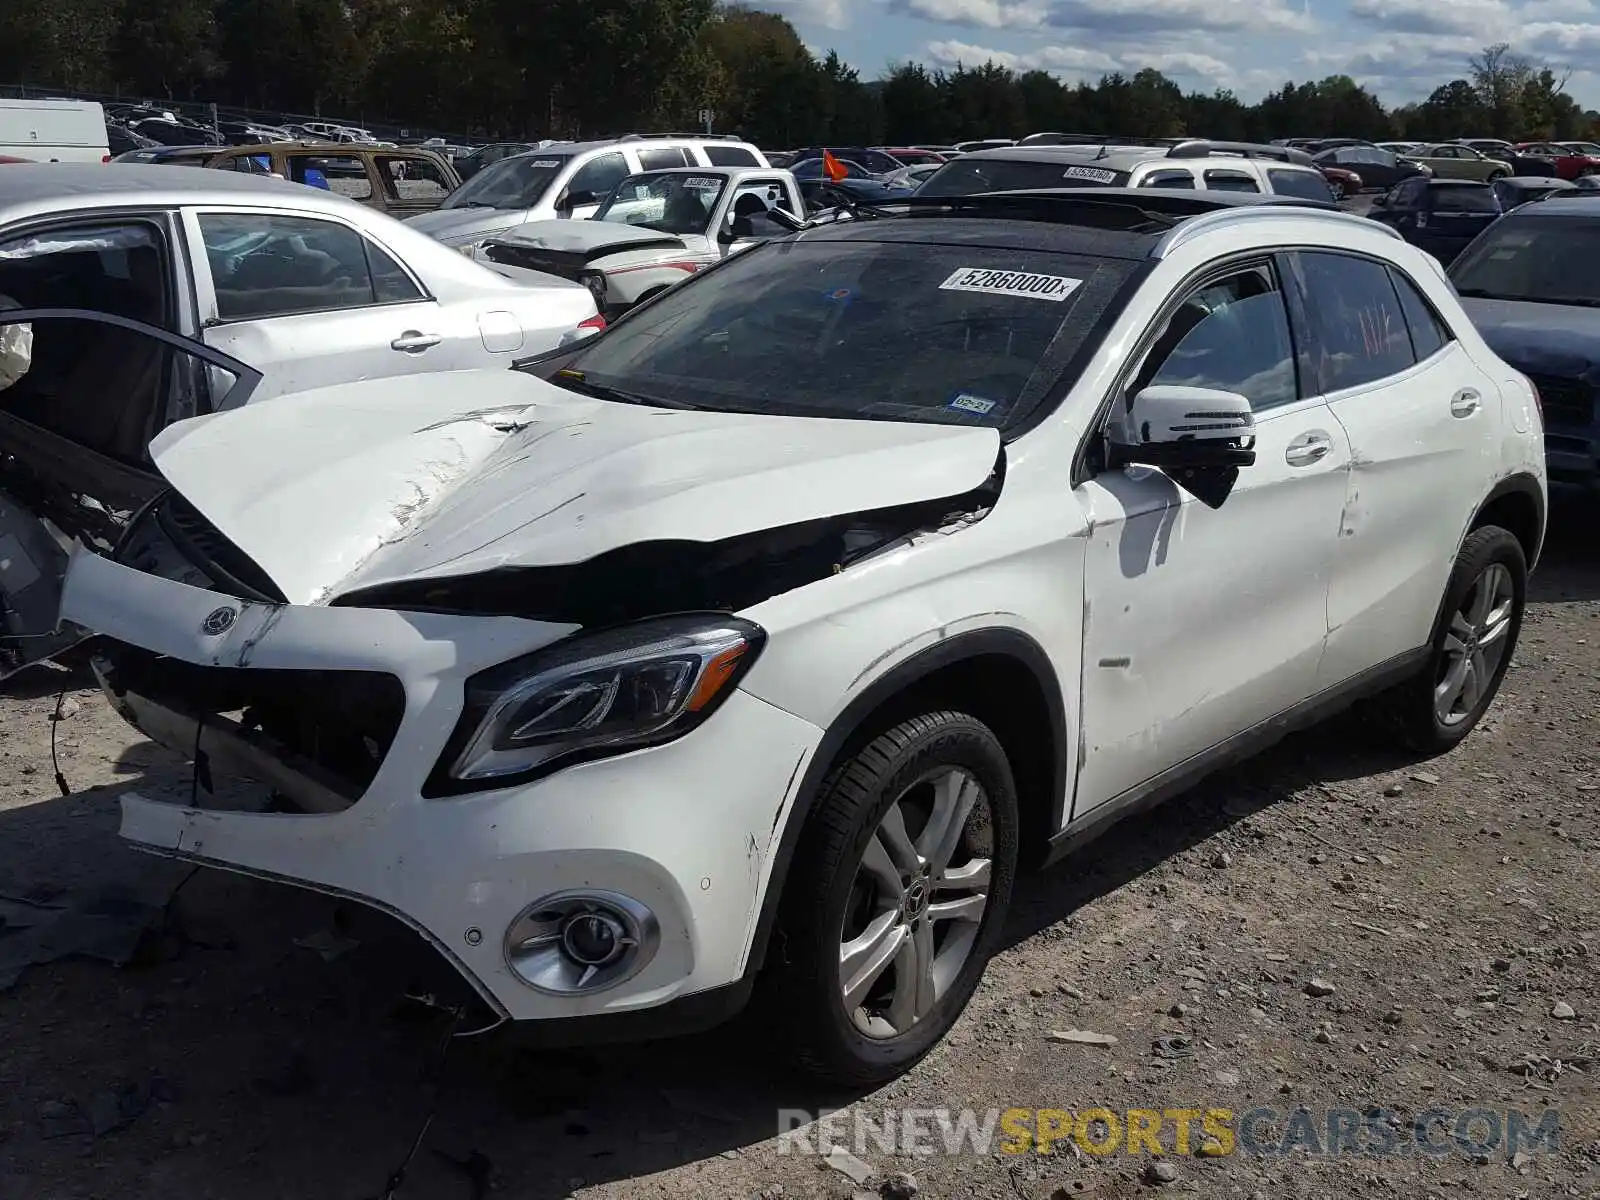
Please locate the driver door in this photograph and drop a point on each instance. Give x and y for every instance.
(82, 393)
(1201, 622)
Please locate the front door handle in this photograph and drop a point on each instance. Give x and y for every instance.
(1465, 403)
(1308, 448)
(413, 341)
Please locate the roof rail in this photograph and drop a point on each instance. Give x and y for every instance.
(1204, 148)
(698, 137)
(1260, 212)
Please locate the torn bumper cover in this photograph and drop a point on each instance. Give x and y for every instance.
(462, 869)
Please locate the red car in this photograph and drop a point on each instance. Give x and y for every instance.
(6, 158)
(1343, 181)
(1572, 159)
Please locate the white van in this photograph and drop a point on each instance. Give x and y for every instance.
(53, 130)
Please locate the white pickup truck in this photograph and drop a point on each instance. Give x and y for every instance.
(654, 229)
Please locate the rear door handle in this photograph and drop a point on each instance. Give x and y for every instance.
(1465, 403)
(413, 341)
(1308, 448)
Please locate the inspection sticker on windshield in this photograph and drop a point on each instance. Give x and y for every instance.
(701, 183)
(545, 163)
(967, 402)
(1097, 174)
(1010, 283)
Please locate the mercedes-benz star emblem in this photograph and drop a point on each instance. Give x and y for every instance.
(218, 621)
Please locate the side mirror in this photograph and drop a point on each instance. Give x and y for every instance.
(1199, 436)
(1380, 202)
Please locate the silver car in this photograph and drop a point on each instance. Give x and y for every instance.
(306, 287)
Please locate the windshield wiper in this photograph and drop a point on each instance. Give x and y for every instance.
(1481, 294)
(473, 204)
(600, 391)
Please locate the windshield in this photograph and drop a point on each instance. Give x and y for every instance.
(1541, 258)
(672, 203)
(858, 329)
(970, 176)
(510, 183)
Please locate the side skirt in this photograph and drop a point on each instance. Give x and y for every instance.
(1235, 749)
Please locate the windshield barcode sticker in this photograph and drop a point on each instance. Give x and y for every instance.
(1098, 174)
(545, 163)
(701, 183)
(1010, 283)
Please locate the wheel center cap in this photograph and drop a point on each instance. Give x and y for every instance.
(916, 899)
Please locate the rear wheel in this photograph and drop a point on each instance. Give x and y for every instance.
(1337, 189)
(1472, 648)
(896, 898)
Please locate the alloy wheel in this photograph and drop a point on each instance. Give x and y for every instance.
(916, 902)
(1474, 645)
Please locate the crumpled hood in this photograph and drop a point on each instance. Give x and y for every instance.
(584, 237)
(1541, 339)
(452, 474)
(463, 224)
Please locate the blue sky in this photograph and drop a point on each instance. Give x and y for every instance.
(1400, 48)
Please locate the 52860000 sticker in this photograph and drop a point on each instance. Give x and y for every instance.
(1010, 283)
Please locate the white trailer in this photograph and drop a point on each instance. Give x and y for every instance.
(53, 130)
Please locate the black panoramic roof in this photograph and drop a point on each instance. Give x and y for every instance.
(1103, 222)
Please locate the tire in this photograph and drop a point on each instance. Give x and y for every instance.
(1410, 710)
(1498, 175)
(1338, 192)
(833, 897)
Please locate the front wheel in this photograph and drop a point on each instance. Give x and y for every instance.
(1338, 191)
(896, 898)
(1472, 647)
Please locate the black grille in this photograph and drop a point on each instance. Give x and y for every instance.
(173, 540)
(1567, 403)
(339, 724)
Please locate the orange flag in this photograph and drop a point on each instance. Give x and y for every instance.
(832, 167)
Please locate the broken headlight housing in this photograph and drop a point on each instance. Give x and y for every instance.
(593, 695)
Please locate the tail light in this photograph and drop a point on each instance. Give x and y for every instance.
(105, 158)
(583, 329)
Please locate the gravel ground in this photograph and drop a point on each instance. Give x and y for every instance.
(1325, 926)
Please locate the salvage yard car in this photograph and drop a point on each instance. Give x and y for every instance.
(305, 288)
(758, 640)
(654, 230)
(567, 180)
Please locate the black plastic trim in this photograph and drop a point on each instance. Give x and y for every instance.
(694, 1013)
(1527, 485)
(851, 722)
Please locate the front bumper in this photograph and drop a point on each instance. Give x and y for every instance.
(688, 829)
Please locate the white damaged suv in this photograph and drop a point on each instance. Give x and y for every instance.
(758, 641)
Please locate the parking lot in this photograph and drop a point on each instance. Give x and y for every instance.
(257, 1042)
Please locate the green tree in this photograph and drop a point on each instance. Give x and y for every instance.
(913, 105)
(63, 44)
(168, 50)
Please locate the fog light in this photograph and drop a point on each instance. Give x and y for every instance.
(574, 943)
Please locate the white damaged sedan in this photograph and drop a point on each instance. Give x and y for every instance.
(766, 634)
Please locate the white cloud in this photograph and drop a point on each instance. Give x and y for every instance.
(1056, 59)
(1132, 18)
(1433, 16)
(830, 14)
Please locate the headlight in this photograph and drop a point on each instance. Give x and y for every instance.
(594, 694)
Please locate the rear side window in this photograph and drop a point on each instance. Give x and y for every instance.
(1358, 333)
(598, 176)
(344, 174)
(730, 156)
(414, 178)
(277, 265)
(1307, 185)
(1465, 200)
(1429, 333)
(1230, 181)
(661, 160)
(1169, 179)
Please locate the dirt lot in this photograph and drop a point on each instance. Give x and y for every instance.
(1450, 905)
